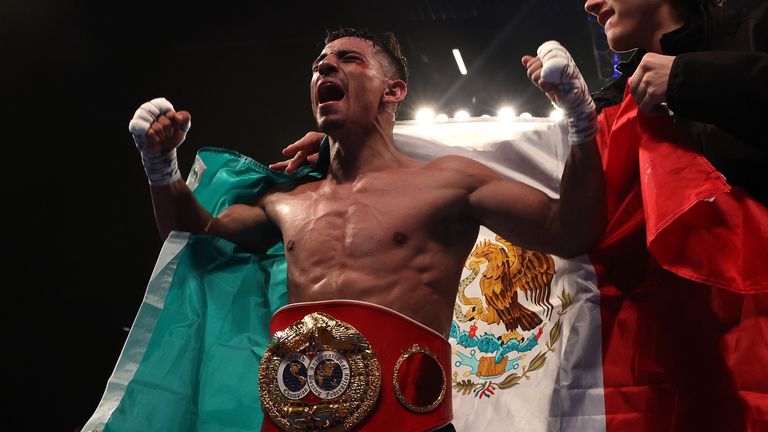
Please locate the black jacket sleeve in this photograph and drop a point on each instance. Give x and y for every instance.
(728, 89)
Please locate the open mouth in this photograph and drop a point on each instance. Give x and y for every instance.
(329, 91)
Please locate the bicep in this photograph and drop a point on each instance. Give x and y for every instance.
(513, 210)
(510, 201)
(567, 226)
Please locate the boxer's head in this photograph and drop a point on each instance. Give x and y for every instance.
(631, 24)
(357, 80)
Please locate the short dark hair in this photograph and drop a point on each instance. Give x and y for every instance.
(387, 43)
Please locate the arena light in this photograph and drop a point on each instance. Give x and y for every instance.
(442, 117)
(526, 115)
(461, 115)
(425, 116)
(506, 114)
(459, 61)
(556, 115)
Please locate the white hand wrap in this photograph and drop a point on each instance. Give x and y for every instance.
(559, 69)
(162, 167)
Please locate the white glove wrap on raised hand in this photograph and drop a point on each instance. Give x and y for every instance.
(162, 167)
(559, 69)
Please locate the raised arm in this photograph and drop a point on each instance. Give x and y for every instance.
(572, 224)
(158, 131)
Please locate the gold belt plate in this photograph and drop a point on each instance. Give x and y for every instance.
(319, 374)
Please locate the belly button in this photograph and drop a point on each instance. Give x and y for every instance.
(291, 245)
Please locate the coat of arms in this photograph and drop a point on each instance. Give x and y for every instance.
(512, 303)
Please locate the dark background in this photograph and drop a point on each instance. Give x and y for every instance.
(80, 240)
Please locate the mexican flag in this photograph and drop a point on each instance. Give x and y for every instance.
(545, 374)
(631, 337)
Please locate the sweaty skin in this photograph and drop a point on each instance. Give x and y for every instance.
(397, 237)
(382, 227)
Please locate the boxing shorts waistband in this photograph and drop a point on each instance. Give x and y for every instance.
(350, 365)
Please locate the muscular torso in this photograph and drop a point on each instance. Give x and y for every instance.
(397, 238)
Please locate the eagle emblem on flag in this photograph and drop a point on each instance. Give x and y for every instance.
(508, 293)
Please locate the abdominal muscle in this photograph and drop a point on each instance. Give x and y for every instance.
(401, 251)
(402, 257)
(417, 289)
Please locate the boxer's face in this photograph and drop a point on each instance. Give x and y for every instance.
(347, 84)
(631, 24)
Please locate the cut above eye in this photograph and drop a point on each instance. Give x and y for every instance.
(328, 92)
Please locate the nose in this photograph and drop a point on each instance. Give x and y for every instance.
(327, 65)
(593, 6)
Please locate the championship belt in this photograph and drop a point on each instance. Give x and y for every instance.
(344, 364)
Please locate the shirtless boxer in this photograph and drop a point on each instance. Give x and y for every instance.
(382, 228)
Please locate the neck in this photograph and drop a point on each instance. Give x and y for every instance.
(670, 18)
(355, 153)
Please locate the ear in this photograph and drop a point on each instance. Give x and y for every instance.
(396, 91)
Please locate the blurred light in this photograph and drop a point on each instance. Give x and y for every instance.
(526, 115)
(556, 115)
(442, 117)
(425, 116)
(459, 61)
(485, 116)
(506, 114)
(461, 115)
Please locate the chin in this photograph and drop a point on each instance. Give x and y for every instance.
(617, 44)
(329, 125)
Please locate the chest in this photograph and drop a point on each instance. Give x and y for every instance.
(369, 216)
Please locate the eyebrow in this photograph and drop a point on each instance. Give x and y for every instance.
(338, 52)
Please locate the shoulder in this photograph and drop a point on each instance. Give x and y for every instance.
(455, 162)
(280, 191)
(738, 25)
(462, 167)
